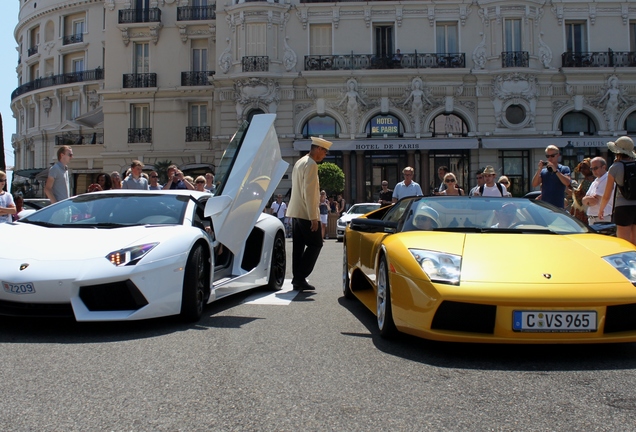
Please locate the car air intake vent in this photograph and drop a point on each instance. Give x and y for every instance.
(113, 296)
(465, 317)
(42, 310)
(620, 318)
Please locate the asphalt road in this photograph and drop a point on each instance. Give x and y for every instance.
(299, 362)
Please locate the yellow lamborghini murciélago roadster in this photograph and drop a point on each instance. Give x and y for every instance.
(498, 270)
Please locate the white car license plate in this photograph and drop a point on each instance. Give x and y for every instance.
(18, 288)
(554, 321)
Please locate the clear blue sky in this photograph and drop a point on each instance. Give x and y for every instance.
(8, 76)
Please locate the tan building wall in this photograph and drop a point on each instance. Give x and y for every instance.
(488, 107)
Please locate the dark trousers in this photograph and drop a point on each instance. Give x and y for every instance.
(306, 248)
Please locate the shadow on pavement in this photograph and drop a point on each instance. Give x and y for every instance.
(510, 357)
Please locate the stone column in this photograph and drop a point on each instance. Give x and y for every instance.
(425, 174)
(361, 187)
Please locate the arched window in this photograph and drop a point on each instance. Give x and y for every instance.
(448, 125)
(382, 126)
(630, 123)
(253, 113)
(321, 125)
(573, 123)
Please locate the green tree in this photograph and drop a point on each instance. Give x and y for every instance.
(162, 170)
(331, 178)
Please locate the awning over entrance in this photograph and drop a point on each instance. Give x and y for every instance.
(91, 118)
(535, 143)
(395, 144)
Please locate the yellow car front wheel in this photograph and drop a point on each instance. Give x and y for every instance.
(383, 301)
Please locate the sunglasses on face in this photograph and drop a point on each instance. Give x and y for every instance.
(504, 182)
(595, 168)
(154, 176)
(449, 181)
(551, 155)
(200, 182)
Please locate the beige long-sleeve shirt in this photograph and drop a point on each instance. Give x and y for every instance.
(305, 196)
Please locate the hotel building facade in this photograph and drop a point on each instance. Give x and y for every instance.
(391, 83)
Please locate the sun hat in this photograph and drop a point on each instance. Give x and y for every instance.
(623, 145)
(321, 142)
(489, 170)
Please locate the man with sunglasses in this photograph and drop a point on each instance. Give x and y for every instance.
(552, 177)
(57, 185)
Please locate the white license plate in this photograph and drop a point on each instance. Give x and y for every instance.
(18, 288)
(554, 321)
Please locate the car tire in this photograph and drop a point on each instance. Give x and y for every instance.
(384, 312)
(278, 263)
(195, 286)
(346, 282)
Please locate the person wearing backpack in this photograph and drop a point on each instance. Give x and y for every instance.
(623, 173)
(491, 188)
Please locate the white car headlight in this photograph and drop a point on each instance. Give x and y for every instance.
(625, 263)
(439, 267)
(340, 223)
(131, 255)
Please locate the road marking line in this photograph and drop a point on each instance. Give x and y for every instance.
(283, 297)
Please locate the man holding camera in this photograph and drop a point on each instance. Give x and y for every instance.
(176, 180)
(553, 178)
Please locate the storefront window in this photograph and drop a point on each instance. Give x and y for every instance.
(321, 126)
(515, 165)
(457, 162)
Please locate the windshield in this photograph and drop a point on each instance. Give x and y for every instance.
(97, 210)
(471, 214)
(363, 208)
(228, 158)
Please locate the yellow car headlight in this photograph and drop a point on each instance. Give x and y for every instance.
(625, 263)
(439, 267)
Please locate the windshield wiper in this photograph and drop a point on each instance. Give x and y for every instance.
(107, 225)
(40, 223)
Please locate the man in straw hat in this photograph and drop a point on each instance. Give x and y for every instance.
(553, 178)
(624, 209)
(303, 208)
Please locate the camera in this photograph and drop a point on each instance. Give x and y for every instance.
(544, 164)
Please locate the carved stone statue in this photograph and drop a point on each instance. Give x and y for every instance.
(289, 58)
(225, 59)
(417, 97)
(479, 53)
(352, 97)
(614, 98)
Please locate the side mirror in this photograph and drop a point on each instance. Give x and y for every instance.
(373, 226)
(606, 228)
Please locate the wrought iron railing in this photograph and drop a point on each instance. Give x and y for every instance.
(196, 78)
(76, 38)
(196, 13)
(32, 51)
(139, 135)
(197, 133)
(255, 63)
(79, 139)
(140, 80)
(515, 59)
(607, 58)
(67, 78)
(400, 61)
(130, 16)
